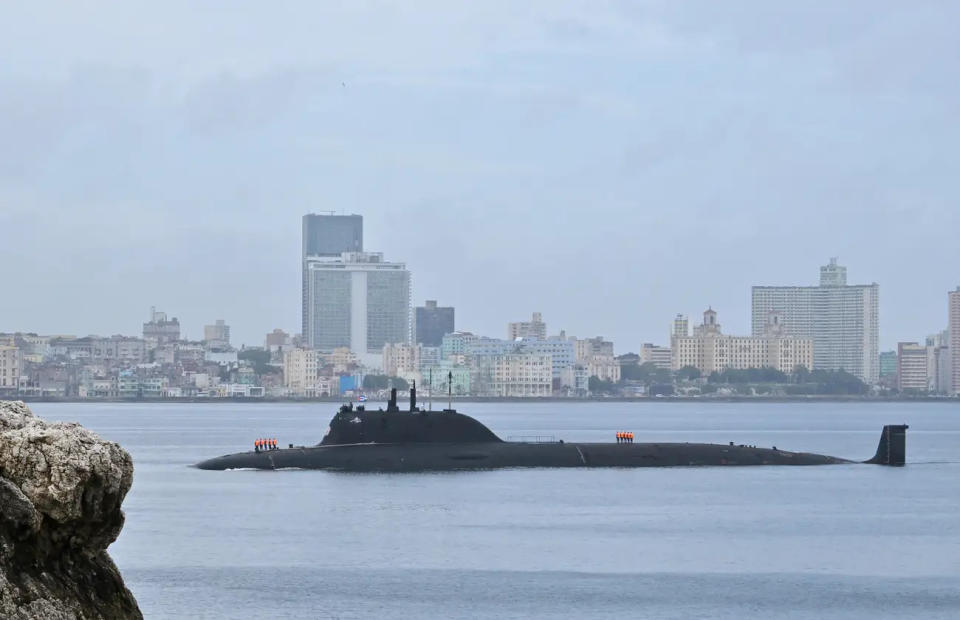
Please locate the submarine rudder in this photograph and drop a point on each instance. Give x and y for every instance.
(892, 449)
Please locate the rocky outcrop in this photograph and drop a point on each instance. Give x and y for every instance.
(61, 488)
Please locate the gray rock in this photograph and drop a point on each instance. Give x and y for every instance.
(61, 488)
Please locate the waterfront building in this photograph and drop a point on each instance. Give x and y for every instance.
(358, 301)
(401, 358)
(432, 322)
(445, 377)
(159, 330)
(519, 375)
(575, 379)
(33, 348)
(9, 370)
(710, 350)
(953, 305)
(456, 344)
(840, 319)
(217, 335)
(534, 329)
(562, 352)
(300, 371)
(603, 367)
(911, 367)
(661, 357)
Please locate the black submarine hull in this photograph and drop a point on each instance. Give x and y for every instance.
(470, 456)
(393, 441)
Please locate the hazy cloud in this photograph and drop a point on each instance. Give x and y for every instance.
(609, 164)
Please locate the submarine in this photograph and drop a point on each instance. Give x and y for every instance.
(391, 440)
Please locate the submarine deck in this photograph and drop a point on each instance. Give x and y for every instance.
(400, 457)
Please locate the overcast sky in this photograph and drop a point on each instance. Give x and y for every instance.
(607, 164)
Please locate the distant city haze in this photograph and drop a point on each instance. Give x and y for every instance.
(606, 165)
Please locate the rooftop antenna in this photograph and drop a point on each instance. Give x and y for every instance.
(450, 390)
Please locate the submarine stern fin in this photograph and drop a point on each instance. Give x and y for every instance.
(892, 449)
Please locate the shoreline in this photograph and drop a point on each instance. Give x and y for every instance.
(496, 399)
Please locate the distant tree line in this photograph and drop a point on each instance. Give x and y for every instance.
(801, 381)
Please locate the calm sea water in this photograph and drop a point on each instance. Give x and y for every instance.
(775, 542)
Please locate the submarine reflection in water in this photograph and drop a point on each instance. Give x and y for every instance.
(417, 440)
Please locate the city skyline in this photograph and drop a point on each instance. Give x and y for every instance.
(193, 327)
(674, 159)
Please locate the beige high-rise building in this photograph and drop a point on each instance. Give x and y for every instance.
(9, 369)
(300, 371)
(709, 350)
(912, 367)
(954, 328)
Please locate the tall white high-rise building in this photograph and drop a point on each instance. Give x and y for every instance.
(841, 319)
(327, 236)
(359, 301)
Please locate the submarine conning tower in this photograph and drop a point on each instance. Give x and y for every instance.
(360, 425)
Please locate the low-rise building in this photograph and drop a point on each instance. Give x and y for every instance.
(575, 380)
(603, 367)
(661, 357)
(520, 375)
(447, 378)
